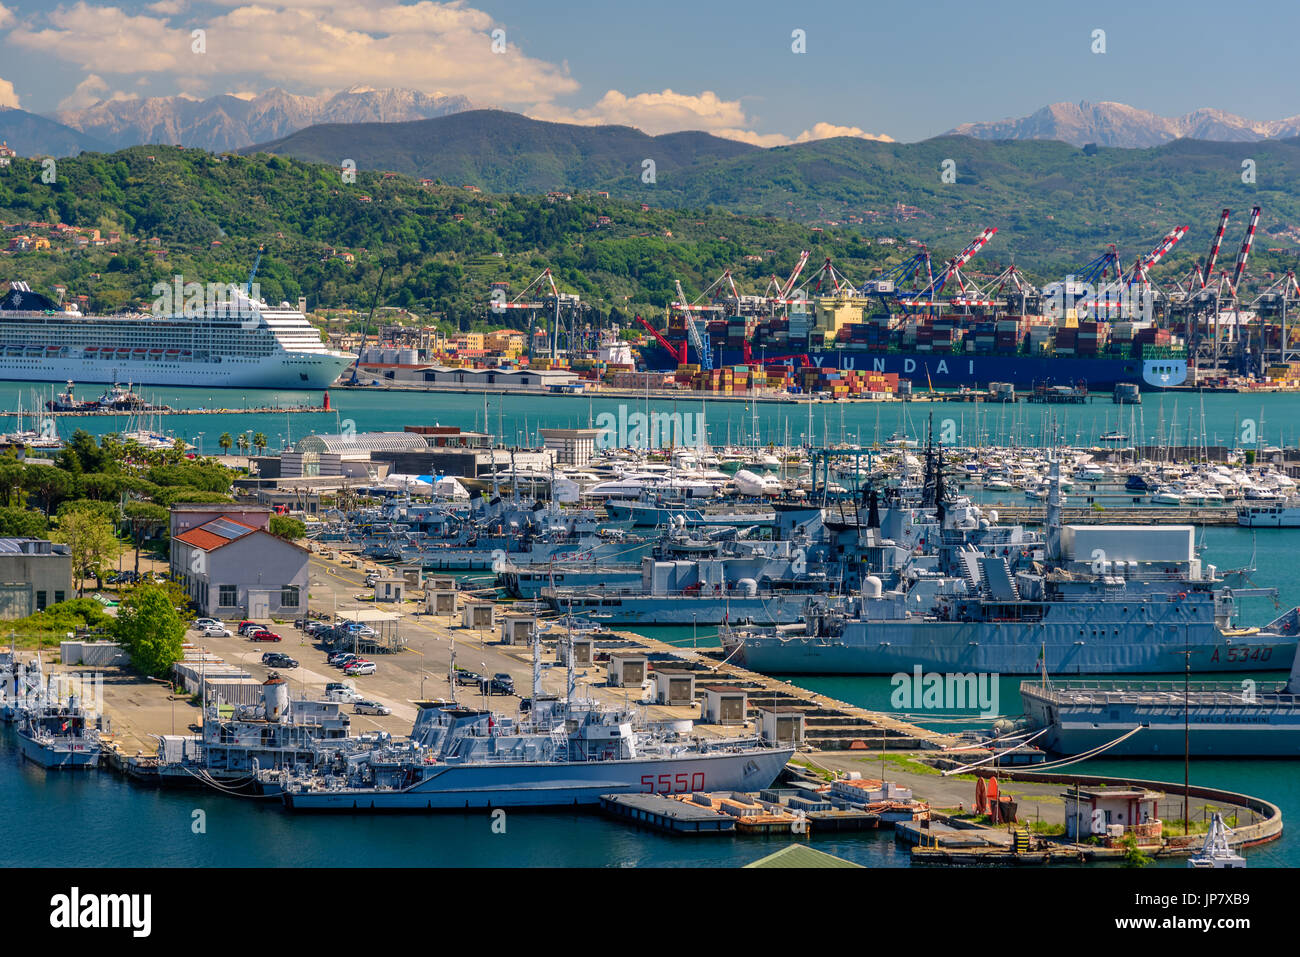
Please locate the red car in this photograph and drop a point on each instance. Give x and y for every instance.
(263, 635)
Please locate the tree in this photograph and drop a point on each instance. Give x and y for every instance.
(225, 442)
(259, 442)
(287, 528)
(88, 533)
(149, 629)
(145, 518)
(243, 443)
(22, 523)
(11, 481)
(48, 484)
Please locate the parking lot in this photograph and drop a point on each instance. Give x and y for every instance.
(418, 672)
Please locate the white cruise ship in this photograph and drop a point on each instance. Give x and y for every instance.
(240, 343)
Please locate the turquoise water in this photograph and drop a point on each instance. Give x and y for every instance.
(100, 819)
(1219, 418)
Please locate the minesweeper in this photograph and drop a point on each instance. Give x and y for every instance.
(1243, 719)
(59, 734)
(566, 753)
(562, 752)
(236, 742)
(1091, 599)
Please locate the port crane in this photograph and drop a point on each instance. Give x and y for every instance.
(1012, 290)
(540, 295)
(248, 286)
(778, 294)
(928, 298)
(1209, 301)
(374, 301)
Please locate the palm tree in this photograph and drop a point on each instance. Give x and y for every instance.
(242, 442)
(259, 441)
(225, 442)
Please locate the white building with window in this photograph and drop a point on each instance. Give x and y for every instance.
(233, 567)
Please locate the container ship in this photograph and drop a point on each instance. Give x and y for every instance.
(241, 342)
(946, 351)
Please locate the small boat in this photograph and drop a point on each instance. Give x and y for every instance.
(59, 735)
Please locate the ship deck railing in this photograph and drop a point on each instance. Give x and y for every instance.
(1162, 693)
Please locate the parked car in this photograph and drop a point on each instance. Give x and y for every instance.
(201, 623)
(344, 695)
(246, 626)
(360, 667)
(122, 578)
(216, 631)
(371, 707)
(263, 635)
(501, 683)
(278, 660)
(338, 686)
(342, 659)
(466, 677)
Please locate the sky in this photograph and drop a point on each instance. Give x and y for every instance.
(905, 71)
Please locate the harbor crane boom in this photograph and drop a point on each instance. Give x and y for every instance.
(1212, 259)
(1244, 253)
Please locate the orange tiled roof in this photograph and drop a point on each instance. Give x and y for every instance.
(205, 537)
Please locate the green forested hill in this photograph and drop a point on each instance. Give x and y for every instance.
(1056, 205)
(443, 245)
(714, 203)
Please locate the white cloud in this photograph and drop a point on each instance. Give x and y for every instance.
(7, 95)
(668, 112)
(826, 131)
(313, 45)
(655, 113)
(88, 92)
(6, 15)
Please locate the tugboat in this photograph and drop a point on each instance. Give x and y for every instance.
(118, 399)
(59, 736)
(67, 402)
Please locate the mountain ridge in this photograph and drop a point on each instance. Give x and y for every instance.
(1109, 123)
(229, 121)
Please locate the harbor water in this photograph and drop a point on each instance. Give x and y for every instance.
(100, 819)
(1182, 418)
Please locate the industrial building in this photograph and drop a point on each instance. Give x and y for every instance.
(34, 574)
(233, 568)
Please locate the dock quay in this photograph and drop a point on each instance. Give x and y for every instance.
(164, 410)
(699, 814)
(955, 839)
(1132, 515)
(793, 810)
(836, 782)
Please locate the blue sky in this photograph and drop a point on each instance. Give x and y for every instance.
(907, 71)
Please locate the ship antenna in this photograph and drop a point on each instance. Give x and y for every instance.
(537, 666)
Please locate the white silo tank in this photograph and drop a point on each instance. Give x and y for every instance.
(407, 357)
(275, 697)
